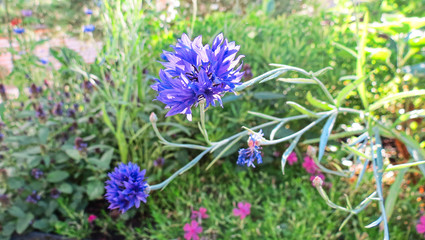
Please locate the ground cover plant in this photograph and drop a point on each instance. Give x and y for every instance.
(298, 123)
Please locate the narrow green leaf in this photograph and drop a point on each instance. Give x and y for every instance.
(396, 96)
(288, 151)
(355, 151)
(317, 103)
(394, 192)
(348, 50)
(374, 223)
(347, 89)
(297, 80)
(302, 109)
(325, 134)
(403, 166)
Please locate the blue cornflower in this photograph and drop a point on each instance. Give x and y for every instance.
(19, 30)
(195, 73)
(248, 155)
(88, 28)
(88, 11)
(127, 187)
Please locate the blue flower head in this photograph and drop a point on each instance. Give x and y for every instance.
(88, 11)
(88, 28)
(194, 73)
(247, 156)
(19, 30)
(127, 187)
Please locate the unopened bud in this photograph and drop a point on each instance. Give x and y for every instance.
(153, 118)
(317, 181)
(311, 151)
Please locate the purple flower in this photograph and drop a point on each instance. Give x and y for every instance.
(127, 187)
(247, 156)
(1, 137)
(195, 73)
(19, 30)
(159, 162)
(33, 197)
(4, 199)
(26, 13)
(55, 193)
(87, 86)
(39, 113)
(88, 28)
(37, 173)
(35, 90)
(88, 11)
(71, 113)
(58, 109)
(2, 90)
(80, 145)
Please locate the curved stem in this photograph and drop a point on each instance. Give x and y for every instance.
(163, 184)
(192, 146)
(302, 131)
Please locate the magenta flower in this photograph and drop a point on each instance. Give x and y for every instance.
(192, 230)
(292, 158)
(309, 165)
(243, 210)
(202, 213)
(92, 218)
(420, 227)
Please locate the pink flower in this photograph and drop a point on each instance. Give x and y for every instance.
(320, 175)
(202, 213)
(309, 165)
(192, 230)
(292, 158)
(92, 218)
(420, 227)
(243, 210)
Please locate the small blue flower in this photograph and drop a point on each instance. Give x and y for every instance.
(80, 145)
(195, 73)
(55, 193)
(33, 197)
(37, 173)
(88, 28)
(19, 30)
(58, 109)
(88, 11)
(127, 187)
(247, 156)
(43, 61)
